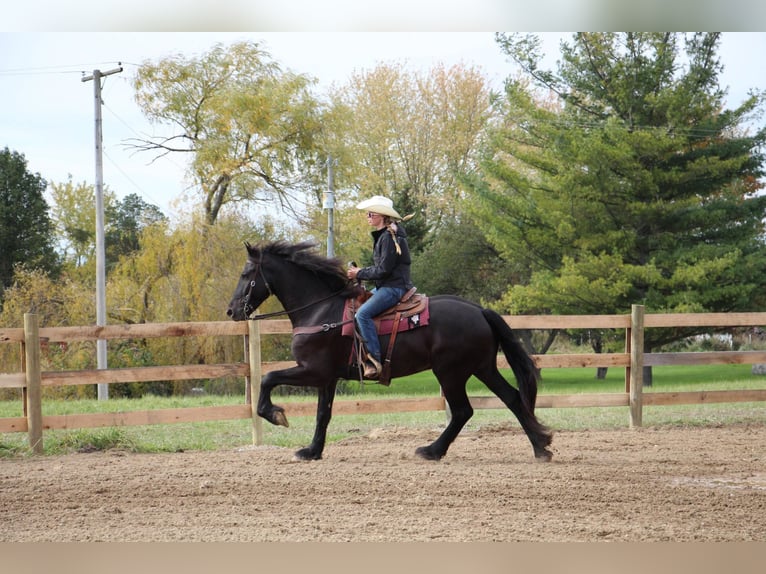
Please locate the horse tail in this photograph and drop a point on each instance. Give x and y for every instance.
(524, 368)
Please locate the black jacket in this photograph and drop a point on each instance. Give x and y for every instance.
(389, 269)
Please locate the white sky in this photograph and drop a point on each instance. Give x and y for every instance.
(47, 112)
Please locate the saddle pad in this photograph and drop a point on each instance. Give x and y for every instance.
(385, 324)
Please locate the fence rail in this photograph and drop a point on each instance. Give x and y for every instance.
(31, 378)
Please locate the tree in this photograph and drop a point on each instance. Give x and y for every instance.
(57, 301)
(25, 227)
(636, 186)
(248, 126)
(186, 273)
(124, 221)
(74, 216)
(410, 136)
(460, 261)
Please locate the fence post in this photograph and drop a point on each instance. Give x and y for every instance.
(34, 382)
(254, 346)
(636, 365)
(628, 341)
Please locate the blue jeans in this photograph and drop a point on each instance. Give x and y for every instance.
(382, 299)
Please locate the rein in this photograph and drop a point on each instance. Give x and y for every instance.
(287, 312)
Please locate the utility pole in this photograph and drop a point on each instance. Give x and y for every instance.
(329, 204)
(103, 388)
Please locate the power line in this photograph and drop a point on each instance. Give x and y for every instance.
(58, 69)
(127, 176)
(138, 136)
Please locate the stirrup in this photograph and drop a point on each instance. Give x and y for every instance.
(372, 368)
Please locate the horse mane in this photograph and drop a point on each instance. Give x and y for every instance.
(304, 255)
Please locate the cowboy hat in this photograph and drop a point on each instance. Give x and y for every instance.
(381, 205)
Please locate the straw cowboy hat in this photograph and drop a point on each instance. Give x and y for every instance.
(379, 204)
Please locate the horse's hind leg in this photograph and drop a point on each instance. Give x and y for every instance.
(461, 411)
(539, 435)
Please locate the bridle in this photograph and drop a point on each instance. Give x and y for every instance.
(247, 308)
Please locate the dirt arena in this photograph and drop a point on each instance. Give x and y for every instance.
(679, 484)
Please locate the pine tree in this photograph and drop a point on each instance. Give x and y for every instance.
(626, 182)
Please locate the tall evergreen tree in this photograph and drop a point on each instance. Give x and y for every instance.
(626, 181)
(26, 232)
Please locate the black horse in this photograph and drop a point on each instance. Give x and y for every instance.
(461, 339)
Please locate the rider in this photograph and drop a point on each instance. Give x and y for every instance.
(390, 272)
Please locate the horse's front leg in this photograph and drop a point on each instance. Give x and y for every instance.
(324, 414)
(300, 376)
(266, 409)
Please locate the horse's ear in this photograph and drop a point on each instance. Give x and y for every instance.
(250, 248)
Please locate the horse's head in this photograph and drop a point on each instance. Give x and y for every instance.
(294, 273)
(252, 288)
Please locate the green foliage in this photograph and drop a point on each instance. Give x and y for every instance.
(460, 261)
(12, 450)
(124, 221)
(74, 216)
(25, 226)
(177, 275)
(185, 274)
(633, 186)
(57, 302)
(87, 440)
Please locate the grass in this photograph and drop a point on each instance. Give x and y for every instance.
(237, 433)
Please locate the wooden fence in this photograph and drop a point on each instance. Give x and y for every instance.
(31, 378)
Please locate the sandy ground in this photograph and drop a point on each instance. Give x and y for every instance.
(679, 484)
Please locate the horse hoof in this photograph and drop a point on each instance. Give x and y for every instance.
(305, 454)
(280, 418)
(543, 455)
(425, 453)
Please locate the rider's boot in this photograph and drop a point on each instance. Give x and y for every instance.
(372, 367)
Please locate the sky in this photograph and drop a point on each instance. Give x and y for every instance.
(47, 112)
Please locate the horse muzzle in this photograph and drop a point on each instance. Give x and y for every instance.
(237, 314)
